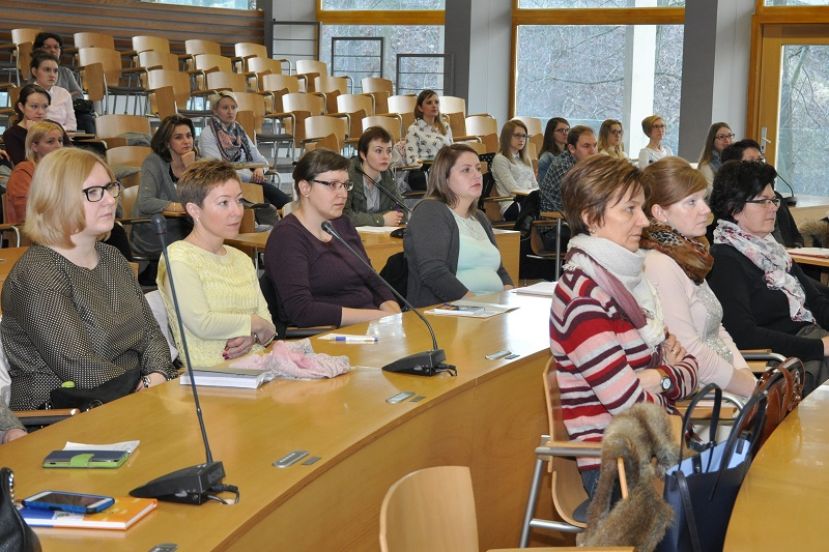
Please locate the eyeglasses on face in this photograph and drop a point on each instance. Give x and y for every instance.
(563, 130)
(765, 201)
(657, 127)
(335, 185)
(617, 131)
(725, 136)
(95, 194)
(520, 136)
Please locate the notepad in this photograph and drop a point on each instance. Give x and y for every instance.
(810, 251)
(470, 309)
(226, 376)
(541, 289)
(120, 516)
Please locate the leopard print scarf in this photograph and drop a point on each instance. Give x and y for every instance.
(691, 254)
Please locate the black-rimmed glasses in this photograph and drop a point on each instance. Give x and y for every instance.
(95, 194)
(335, 185)
(765, 202)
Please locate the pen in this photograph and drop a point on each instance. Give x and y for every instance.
(356, 339)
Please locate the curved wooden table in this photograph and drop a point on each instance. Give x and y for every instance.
(489, 418)
(783, 502)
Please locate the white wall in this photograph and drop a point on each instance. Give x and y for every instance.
(490, 59)
(731, 64)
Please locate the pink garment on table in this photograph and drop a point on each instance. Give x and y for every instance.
(296, 359)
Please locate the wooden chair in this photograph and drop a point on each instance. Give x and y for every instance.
(196, 46)
(110, 128)
(258, 67)
(21, 35)
(484, 128)
(212, 62)
(549, 221)
(225, 80)
(152, 59)
(118, 80)
(297, 107)
(391, 124)
(143, 43)
(177, 80)
(275, 86)
(308, 69)
(380, 89)
(403, 106)
(430, 509)
(569, 496)
(318, 127)
(355, 107)
(246, 50)
(131, 156)
(93, 40)
(331, 87)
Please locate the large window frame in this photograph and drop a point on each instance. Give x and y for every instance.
(380, 17)
(583, 16)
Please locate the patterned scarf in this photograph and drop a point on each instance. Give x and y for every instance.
(770, 257)
(231, 141)
(619, 273)
(691, 254)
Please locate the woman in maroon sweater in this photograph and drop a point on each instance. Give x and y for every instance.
(317, 281)
(607, 334)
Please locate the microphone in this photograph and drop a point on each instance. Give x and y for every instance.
(427, 363)
(191, 485)
(387, 193)
(790, 200)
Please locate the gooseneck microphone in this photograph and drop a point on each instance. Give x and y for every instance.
(386, 193)
(427, 363)
(196, 484)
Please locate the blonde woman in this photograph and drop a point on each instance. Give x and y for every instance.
(72, 309)
(654, 128)
(611, 136)
(42, 138)
(512, 169)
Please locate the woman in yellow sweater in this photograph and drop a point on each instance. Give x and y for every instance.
(225, 315)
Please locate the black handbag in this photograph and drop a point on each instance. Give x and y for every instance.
(85, 399)
(702, 489)
(15, 534)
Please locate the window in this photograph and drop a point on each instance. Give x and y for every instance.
(796, 2)
(231, 4)
(577, 4)
(383, 4)
(359, 59)
(591, 73)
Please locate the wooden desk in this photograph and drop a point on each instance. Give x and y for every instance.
(382, 246)
(489, 418)
(812, 260)
(782, 503)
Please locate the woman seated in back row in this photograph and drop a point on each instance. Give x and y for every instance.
(317, 281)
(450, 247)
(374, 199)
(224, 138)
(512, 169)
(173, 151)
(42, 138)
(767, 300)
(677, 262)
(225, 315)
(72, 309)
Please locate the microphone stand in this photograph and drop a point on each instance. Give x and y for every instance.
(387, 193)
(427, 363)
(191, 485)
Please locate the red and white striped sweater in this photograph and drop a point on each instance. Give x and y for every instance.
(598, 352)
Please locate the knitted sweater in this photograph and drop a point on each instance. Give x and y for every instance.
(598, 352)
(217, 295)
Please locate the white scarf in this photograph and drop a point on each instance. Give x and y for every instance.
(627, 267)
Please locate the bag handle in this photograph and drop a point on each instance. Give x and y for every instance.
(715, 415)
(690, 520)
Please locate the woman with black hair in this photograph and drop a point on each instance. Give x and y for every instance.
(767, 300)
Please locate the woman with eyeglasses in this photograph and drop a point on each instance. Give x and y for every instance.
(450, 247)
(512, 169)
(719, 137)
(73, 314)
(611, 140)
(767, 300)
(654, 128)
(225, 315)
(553, 145)
(317, 281)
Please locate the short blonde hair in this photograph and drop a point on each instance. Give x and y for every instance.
(648, 122)
(55, 209)
(36, 133)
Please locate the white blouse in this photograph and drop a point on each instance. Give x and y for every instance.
(423, 142)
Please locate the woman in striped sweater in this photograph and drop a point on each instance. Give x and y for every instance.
(606, 327)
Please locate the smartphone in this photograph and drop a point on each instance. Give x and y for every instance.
(85, 459)
(78, 503)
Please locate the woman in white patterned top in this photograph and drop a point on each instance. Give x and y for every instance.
(512, 169)
(676, 264)
(427, 134)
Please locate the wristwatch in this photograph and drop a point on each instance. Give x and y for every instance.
(665, 383)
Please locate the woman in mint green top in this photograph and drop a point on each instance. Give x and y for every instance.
(449, 244)
(478, 258)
